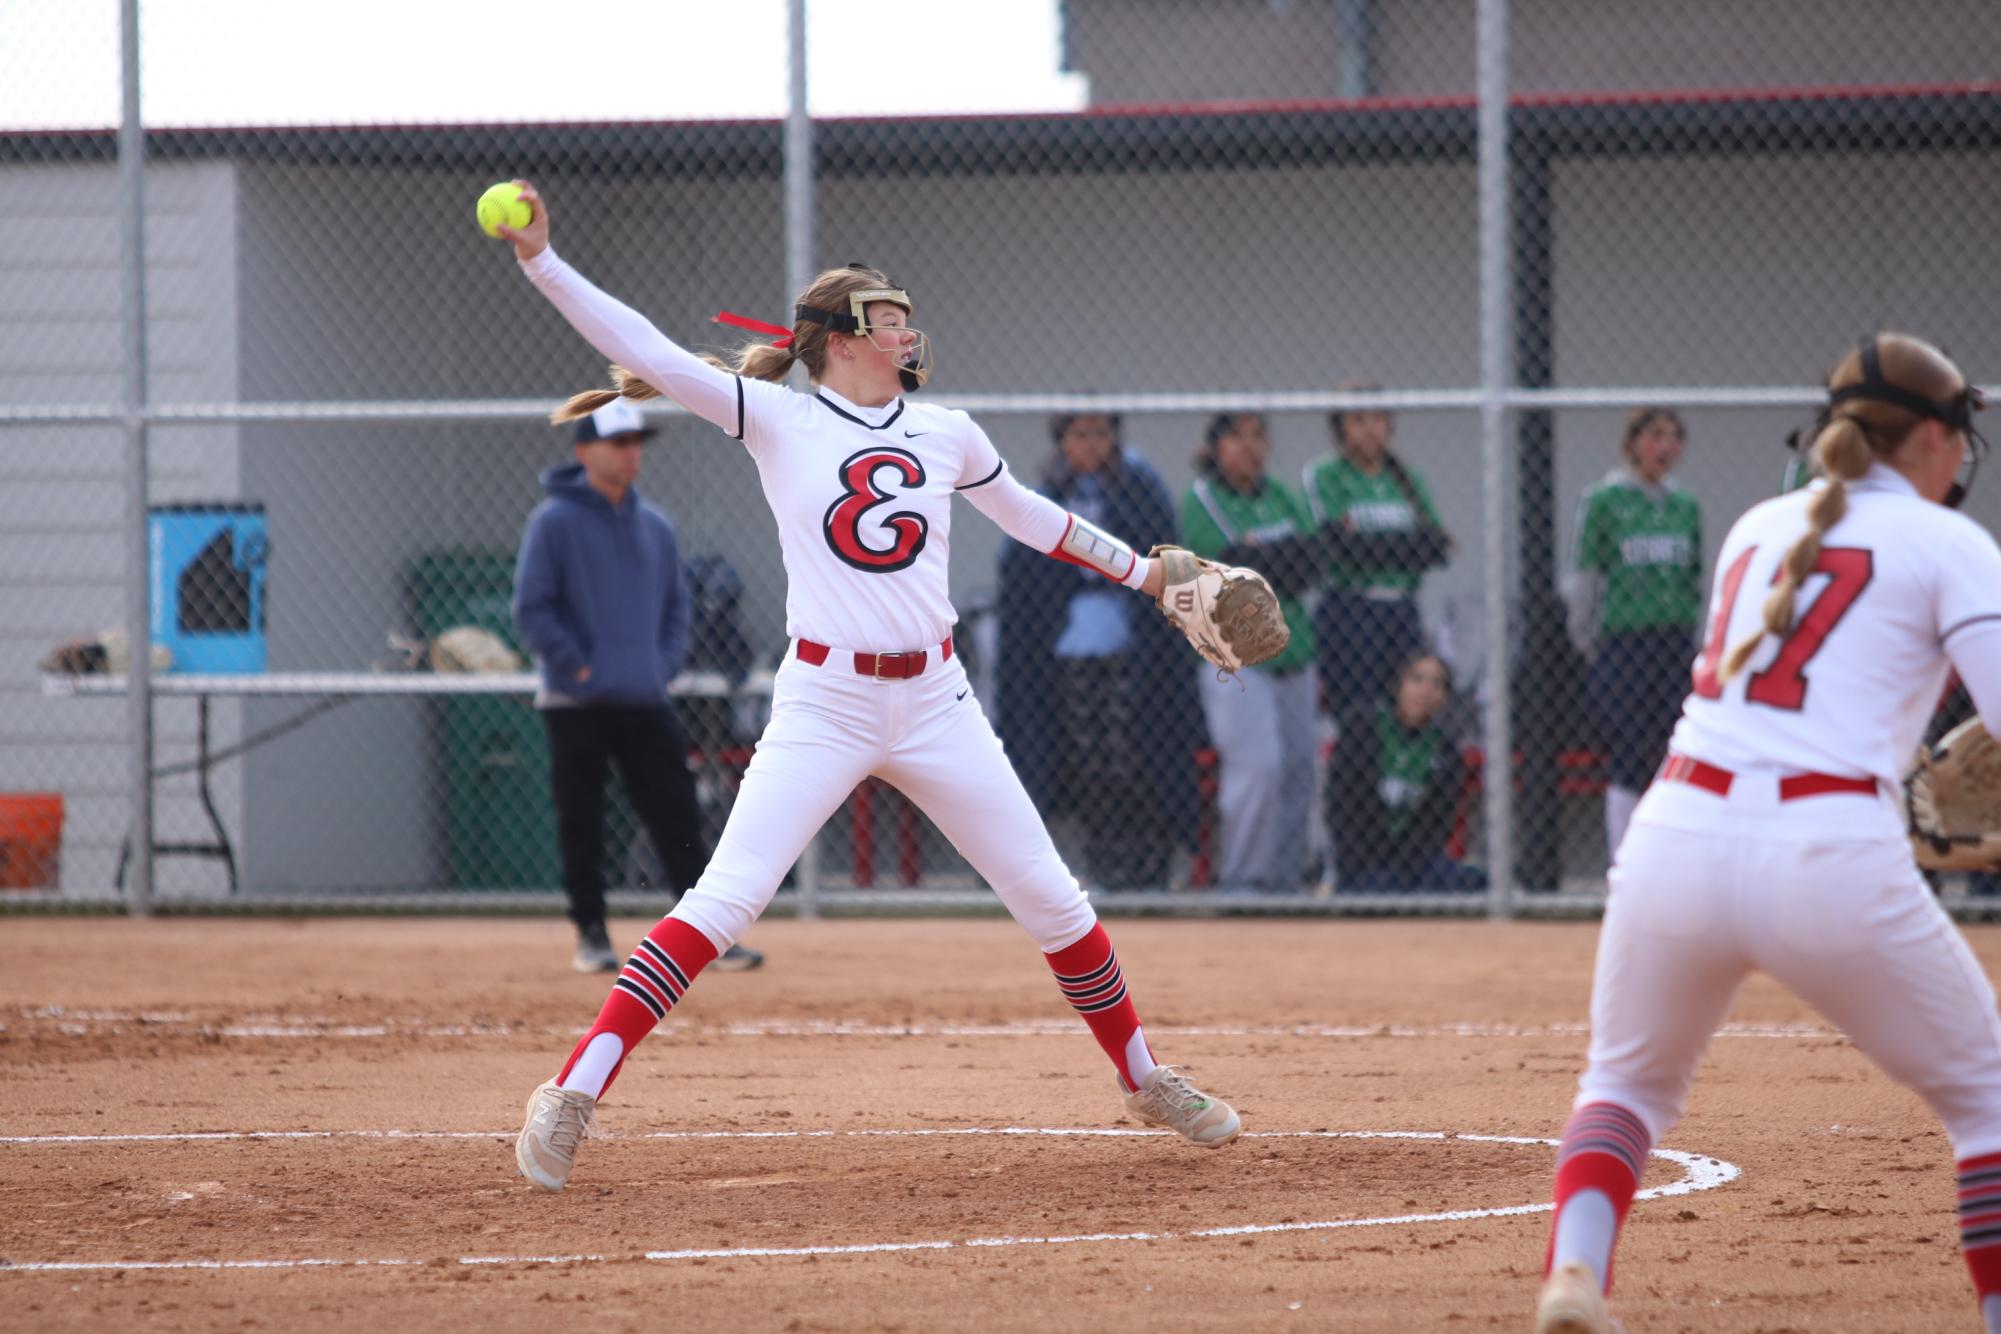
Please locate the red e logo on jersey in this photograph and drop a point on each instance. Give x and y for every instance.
(861, 494)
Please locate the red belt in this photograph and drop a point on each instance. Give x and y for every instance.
(1682, 769)
(882, 666)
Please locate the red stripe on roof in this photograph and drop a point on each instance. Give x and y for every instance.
(1611, 97)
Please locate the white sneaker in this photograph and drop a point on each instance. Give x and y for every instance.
(594, 951)
(738, 959)
(1572, 1304)
(1168, 1099)
(558, 1121)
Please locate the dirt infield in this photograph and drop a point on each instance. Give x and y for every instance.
(850, 1107)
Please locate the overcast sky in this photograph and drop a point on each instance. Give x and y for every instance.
(283, 62)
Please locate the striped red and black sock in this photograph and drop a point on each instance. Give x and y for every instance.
(1088, 972)
(654, 979)
(1980, 1226)
(1598, 1169)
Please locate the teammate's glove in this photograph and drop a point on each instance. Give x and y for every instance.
(1229, 613)
(1954, 801)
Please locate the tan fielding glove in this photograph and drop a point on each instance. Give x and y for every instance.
(1227, 612)
(1954, 801)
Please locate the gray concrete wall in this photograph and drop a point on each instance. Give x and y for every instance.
(63, 548)
(1182, 51)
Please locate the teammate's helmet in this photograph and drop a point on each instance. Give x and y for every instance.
(1887, 383)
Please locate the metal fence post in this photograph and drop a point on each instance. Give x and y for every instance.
(1498, 784)
(138, 626)
(799, 272)
(798, 158)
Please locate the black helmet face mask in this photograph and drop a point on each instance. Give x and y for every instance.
(1970, 401)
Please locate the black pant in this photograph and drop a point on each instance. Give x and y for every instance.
(652, 757)
(1637, 683)
(1361, 643)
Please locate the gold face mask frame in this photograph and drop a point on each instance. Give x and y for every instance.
(915, 361)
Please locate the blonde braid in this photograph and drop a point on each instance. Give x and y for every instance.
(758, 361)
(1843, 453)
(584, 404)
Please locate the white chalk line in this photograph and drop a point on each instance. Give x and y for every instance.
(78, 1023)
(1700, 1173)
(938, 1132)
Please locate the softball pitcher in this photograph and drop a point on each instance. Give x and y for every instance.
(1773, 837)
(861, 483)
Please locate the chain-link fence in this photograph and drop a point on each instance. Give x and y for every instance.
(1180, 308)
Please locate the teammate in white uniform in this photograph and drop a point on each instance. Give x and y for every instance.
(861, 482)
(1773, 837)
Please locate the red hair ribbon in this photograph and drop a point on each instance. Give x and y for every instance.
(783, 335)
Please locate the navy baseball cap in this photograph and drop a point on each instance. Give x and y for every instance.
(615, 418)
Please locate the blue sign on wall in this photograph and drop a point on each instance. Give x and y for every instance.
(208, 568)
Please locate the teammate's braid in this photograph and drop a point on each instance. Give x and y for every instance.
(1843, 454)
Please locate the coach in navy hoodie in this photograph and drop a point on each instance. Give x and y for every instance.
(601, 601)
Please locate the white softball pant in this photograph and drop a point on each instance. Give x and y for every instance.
(1821, 894)
(830, 728)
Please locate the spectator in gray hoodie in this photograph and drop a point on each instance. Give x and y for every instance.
(601, 600)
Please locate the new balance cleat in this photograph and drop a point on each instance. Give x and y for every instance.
(1572, 1304)
(558, 1121)
(1167, 1099)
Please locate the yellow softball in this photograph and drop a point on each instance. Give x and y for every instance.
(503, 206)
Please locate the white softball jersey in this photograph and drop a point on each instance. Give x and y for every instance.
(1902, 590)
(864, 504)
(862, 495)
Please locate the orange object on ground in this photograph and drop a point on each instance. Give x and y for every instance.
(31, 837)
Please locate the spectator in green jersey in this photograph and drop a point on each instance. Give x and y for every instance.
(1261, 721)
(1635, 598)
(1395, 787)
(1367, 622)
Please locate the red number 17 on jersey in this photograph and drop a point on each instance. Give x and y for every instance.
(1783, 684)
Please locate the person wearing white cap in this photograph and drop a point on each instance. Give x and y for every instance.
(601, 601)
